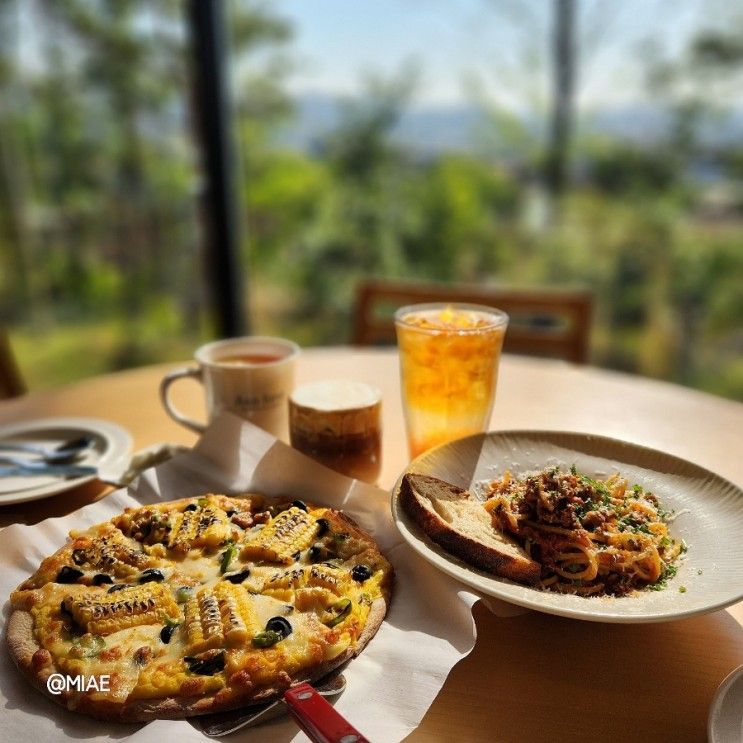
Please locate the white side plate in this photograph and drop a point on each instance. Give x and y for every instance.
(110, 450)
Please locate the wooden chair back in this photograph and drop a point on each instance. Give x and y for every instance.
(543, 322)
(11, 381)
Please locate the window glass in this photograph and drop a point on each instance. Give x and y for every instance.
(518, 143)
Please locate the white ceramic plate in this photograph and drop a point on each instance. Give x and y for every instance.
(725, 724)
(709, 508)
(110, 450)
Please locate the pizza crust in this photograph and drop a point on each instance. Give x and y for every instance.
(19, 634)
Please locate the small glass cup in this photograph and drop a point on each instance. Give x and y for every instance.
(339, 424)
(449, 358)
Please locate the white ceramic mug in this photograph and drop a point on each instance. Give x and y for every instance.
(251, 377)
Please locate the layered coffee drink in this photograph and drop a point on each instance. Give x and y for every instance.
(339, 424)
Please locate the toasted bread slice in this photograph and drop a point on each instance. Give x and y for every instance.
(457, 521)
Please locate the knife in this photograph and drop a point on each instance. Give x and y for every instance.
(40, 469)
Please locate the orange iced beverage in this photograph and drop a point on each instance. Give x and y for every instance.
(448, 367)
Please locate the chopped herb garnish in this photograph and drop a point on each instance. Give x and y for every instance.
(682, 589)
(668, 572)
(583, 509)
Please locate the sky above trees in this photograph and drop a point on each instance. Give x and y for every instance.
(499, 44)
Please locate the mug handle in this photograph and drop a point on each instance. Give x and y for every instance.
(177, 416)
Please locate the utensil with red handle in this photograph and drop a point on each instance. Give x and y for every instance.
(318, 719)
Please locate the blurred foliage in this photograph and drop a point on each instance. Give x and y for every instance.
(623, 169)
(99, 241)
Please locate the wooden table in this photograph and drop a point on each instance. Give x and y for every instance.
(532, 677)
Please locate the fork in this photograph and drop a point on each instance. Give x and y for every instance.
(67, 451)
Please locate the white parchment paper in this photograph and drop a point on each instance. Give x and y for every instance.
(390, 685)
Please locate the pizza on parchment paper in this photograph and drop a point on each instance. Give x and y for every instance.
(199, 605)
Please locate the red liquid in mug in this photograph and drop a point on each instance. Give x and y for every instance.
(250, 358)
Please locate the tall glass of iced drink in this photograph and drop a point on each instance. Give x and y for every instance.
(449, 358)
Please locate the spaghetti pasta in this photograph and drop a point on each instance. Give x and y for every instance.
(591, 537)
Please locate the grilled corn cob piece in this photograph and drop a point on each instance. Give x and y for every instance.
(285, 579)
(213, 527)
(291, 531)
(282, 584)
(325, 576)
(182, 536)
(203, 623)
(104, 613)
(110, 552)
(205, 526)
(218, 618)
(192, 623)
(238, 617)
